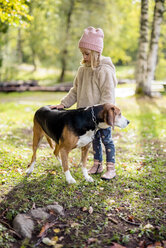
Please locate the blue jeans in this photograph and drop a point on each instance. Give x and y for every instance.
(105, 136)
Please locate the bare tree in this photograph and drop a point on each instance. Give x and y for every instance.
(155, 34)
(146, 64)
(141, 67)
(64, 51)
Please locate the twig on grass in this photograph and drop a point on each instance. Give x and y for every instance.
(10, 229)
(129, 222)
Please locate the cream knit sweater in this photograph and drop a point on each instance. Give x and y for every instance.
(92, 87)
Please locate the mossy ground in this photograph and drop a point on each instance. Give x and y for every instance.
(135, 196)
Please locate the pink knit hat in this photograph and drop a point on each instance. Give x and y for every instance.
(92, 39)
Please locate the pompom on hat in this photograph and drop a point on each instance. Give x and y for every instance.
(92, 39)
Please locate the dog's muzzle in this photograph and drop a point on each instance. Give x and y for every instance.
(121, 122)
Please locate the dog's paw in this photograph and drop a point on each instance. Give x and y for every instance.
(30, 168)
(71, 180)
(28, 172)
(89, 179)
(69, 177)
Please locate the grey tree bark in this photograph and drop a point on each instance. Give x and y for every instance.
(146, 63)
(64, 51)
(141, 67)
(153, 51)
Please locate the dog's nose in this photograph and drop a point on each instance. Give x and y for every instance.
(128, 122)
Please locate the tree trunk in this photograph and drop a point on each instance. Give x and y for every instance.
(64, 52)
(141, 67)
(63, 62)
(155, 34)
(19, 47)
(33, 58)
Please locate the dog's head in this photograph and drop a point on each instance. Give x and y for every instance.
(112, 116)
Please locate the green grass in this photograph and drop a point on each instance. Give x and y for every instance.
(138, 192)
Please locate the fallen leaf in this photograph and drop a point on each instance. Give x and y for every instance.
(84, 209)
(55, 239)
(164, 243)
(53, 172)
(158, 244)
(92, 240)
(90, 210)
(151, 246)
(110, 202)
(116, 245)
(33, 206)
(148, 226)
(44, 228)
(47, 241)
(127, 190)
(130, 218)
(57, 230)
(74, 224)
(119, 209)
(142, 244)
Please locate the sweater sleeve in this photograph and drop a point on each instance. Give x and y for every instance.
(107, 83)
(71, 97)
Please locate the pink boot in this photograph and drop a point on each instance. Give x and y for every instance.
(110, 173)
(96, 168)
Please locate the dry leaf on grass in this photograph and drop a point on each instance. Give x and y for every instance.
(52, 242)
(44, 228)
(92, 240)
(84, 209)
(74, 224)
(116, 245)
(130, 218)
(57, 230)
(90, 210)
(47, 241)
(148, 226)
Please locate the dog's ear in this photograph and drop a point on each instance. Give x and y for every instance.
(109, 116)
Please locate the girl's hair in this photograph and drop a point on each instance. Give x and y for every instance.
(95, 60)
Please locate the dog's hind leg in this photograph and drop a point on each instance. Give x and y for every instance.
(37, 137)
(56, 153)
(84, 156)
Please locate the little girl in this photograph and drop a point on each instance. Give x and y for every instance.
(95, 83)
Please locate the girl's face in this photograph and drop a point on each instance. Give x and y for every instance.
(86, 55)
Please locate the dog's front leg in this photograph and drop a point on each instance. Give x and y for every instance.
(64, 158)
(84, 156)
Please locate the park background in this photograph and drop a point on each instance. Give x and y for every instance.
(39, 41)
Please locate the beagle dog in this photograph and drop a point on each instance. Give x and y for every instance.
(73, 128)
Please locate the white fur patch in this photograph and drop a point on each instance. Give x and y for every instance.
(103, 125)
(121, 121)
(87, 177)
(85, 139)
(30, 169)
(69, 177)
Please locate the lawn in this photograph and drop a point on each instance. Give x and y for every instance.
(128, 210)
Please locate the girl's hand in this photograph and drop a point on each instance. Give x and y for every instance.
(59, 106)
